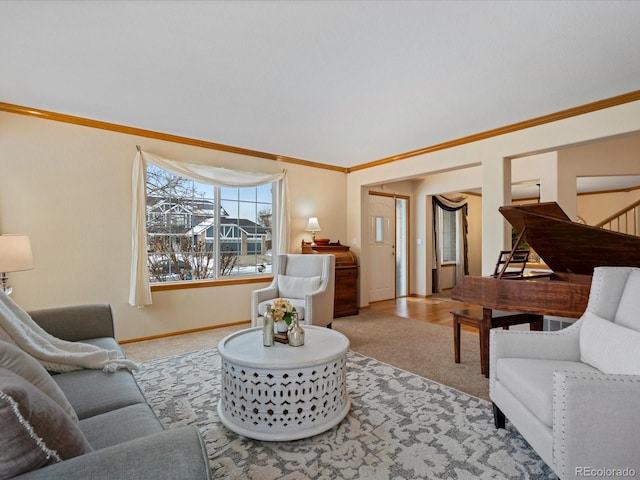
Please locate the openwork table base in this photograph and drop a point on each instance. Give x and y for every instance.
(283, 392)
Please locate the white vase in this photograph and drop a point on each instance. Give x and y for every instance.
(280, 326)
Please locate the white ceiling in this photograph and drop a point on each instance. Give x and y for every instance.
(336, 82)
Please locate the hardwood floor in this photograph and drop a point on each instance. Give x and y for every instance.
(433, 309)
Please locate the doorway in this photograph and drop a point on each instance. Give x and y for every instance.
(388, 246)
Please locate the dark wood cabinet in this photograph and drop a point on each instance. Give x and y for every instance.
(346, 293)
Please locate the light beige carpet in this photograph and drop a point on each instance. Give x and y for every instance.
(176, 344)
(418, 347)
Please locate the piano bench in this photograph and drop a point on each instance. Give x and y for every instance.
(484, 319)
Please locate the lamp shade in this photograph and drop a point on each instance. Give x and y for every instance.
(15, 253)
(313, 225)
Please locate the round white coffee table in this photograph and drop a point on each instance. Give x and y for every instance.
(283, 392)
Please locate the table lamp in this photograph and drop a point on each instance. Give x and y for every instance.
(313, 226)
(15, 256)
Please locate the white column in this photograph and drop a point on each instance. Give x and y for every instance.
(558, 184)
(357, 209)
(496, 192)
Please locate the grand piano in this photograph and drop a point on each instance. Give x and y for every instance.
(571, 251)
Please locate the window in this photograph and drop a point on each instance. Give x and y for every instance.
(448, 236)
(197, 231)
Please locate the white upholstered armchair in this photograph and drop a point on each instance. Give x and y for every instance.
(307, 281)
(574, 394)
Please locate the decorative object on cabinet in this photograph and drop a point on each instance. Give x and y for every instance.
(313, 226)
(345, 300)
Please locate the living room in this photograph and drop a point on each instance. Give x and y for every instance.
(57, 211)
(66, 182)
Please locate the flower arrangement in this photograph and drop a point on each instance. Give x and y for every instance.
(282, 310)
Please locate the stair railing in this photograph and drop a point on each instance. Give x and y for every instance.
(625, 221)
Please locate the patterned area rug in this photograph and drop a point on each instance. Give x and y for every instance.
(400, 426)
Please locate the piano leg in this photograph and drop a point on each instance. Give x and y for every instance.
(498, 417)
(484, 319)
(485, 328)
(456, 338)
(538, 323)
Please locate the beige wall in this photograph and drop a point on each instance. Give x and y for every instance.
(69, 188)
(461, 168)
(596, 207)
(475, 235)
(617, 156)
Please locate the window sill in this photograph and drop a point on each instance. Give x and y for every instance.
(221, 282)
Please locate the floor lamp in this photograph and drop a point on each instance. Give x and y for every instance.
(15, 256)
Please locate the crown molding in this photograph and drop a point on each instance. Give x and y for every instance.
(534, 122)
(140, 132)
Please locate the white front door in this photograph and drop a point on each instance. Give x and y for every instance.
(382, 235)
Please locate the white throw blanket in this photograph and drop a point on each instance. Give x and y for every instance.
(56, 355)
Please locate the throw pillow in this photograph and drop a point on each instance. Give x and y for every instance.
(628, 313)
(609, 347)
(21, 363)
(297, 287)
(35, 431)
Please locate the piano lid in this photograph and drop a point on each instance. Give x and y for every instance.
(571, 247)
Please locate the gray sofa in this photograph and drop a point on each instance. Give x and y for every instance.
(126, 439)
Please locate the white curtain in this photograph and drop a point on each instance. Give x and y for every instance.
(459, 206)
(140, 290)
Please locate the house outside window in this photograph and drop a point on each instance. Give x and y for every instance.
(197, 231)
